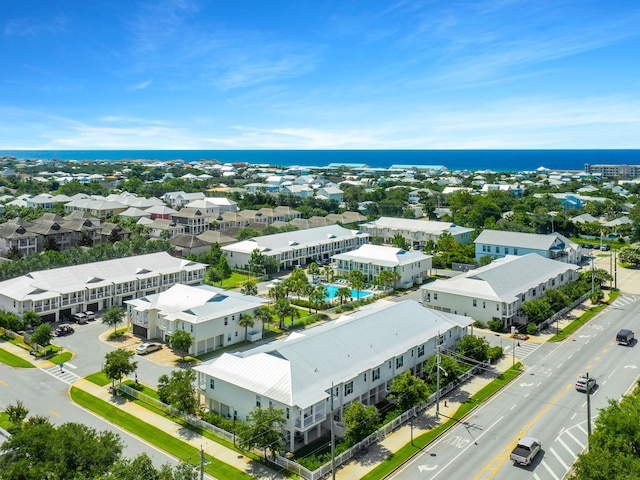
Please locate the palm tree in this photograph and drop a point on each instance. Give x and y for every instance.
(263, 314)
(293, 313)
(317, 296)
(314, 270)
(328, 272)
(247, 320)
(356, 277)
(343, 293)
(249, 287)
(281, 309)
(278, 292)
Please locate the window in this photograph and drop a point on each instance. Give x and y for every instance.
(365, 376)
(399, 362)
(475, 302)
(236, 334)
(506, 250)
(375, 374)
(421, 350)
(389, 363)
(226, 320)
(515, 251)
(258, 400)
(348, 388)
(484, 304)
(287, 410)
(435, 296)
(212, 383)
(497, 249)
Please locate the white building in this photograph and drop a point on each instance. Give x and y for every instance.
(411, 266)
(213, 205)
(498, 243)
(298, 247)
(211, 315)
(498, 290)
(358, 355)
(179, 199)
(60, 292)
(417, 232)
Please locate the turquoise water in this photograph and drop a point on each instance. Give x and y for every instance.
(332, 289)
(497, 160)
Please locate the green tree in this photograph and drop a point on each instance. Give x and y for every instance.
(317, 296)
(246, 320)
(314, 270)
(256, 262)
(113, 317)
(408, 391)
(327, 271)
(264, 430)
(118, 364)
(614, 446)
(42, 335)
(142, 467)
(475, 348)
(399, 241)
(249, 287)
(31, 318)
(344, 294)
(271, 265)
(181, 340)
(360, 421)
(356, 277)
(71, 451)
(388, 278)
(537, 310)
(17, 413)
(178, 390)
(281, 309)
(263, 314)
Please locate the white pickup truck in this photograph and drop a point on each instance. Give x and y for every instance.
(526, 450)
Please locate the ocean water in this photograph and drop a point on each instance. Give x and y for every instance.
(496, 160)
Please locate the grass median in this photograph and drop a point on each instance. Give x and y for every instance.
(398, 458)
(13, 360)
(155, 436)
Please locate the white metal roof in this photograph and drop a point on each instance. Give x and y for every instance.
(503, 279)
(299, 369)
(531, 241)
(381, 255)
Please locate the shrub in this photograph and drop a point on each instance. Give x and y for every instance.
(495, 353)
(532, 329)
(495, 325)
(479, 324)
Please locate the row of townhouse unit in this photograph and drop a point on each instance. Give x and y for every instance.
(354, 358)
(59, 293)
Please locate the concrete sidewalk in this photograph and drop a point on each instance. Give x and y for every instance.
(220, 452)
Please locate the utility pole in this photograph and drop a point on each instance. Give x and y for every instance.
(615, 274)
(438, 379)
(201, 463)
(588, 412)
(513, 353)
(333, 441)
(592, 274)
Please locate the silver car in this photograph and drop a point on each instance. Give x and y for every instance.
(148, 347)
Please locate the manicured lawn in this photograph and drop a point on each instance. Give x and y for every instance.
(586, 316)
(401, 456)
(61, 357)
(98, 378)
(155, 436)
(13, 360)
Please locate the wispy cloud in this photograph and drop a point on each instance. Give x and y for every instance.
(141, 85)
(34, 26)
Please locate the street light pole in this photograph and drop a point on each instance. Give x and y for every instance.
(588, 412)
(513, 334)
(592, 274)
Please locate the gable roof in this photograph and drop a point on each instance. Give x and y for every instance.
(532, 241)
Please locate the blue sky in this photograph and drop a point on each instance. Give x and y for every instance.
(209, 74)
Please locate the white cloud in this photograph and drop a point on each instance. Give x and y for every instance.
(141, 85)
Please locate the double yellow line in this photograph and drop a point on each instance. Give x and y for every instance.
(491, 469)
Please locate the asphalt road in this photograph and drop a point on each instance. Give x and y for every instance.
(47, 395)
(543, 403)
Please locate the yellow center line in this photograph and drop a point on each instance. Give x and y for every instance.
(490, 470)
(4, 383)
(54, 413)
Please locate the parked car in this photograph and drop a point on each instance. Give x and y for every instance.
(605, 248)
(624, 337)
(90, 315)
(62, 330)
(80, 318)
(585, 384)
(148, 347)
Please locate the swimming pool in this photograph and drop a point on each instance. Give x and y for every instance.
(355, 294)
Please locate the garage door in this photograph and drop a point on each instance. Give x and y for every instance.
(93, 307)
(49, 317)
(140, 331)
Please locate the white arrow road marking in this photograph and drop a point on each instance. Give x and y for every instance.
(630, 366)
(526, 384)
(425, 468)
